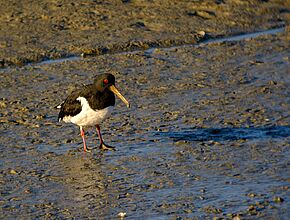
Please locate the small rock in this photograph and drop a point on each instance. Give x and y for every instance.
(252, 195)
(202, 190)
(15, 199)
(139, 24)
(272, 82)
(191, 13)
(122, 214)
(201, 33)
(181, 142)
(278, 199)
(251, 208)
(187, 210)
(13, 172)
(205, 14)
(2, 104)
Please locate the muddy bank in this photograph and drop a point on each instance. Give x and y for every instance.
(33, 31)
(207, 136)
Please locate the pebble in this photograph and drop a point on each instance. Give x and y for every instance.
(252, 195)
(122, 214)
(13, 172)
(202, 33)
(278, 199)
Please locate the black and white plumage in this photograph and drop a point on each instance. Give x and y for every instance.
(90, 105)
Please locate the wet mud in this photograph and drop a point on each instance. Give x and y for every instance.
(207, 136)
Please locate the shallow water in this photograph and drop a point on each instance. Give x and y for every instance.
(229, 134)
(207, 135)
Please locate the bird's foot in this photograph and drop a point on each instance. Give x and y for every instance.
(104, 146)
(86, 149)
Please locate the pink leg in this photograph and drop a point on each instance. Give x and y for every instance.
(99, 134)
(84, 141)
(103, 146)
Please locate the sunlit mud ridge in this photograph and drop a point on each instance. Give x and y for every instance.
(37, 31)
(200, 39)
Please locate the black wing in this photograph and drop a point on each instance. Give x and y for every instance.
(71, 106)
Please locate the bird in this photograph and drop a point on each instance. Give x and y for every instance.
(91, 105)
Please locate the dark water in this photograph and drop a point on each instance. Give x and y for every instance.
(229, 134)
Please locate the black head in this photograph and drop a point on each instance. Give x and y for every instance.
(104, 81)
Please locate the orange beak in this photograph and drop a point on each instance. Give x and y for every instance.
(117, 93)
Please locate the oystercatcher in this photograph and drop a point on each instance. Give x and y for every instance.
(90, 105)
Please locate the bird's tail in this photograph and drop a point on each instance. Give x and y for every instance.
(58, 106)
(60, 115)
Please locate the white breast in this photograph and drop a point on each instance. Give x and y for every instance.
(88, 116)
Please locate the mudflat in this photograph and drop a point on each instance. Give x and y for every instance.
(207, 136)
(39, 30)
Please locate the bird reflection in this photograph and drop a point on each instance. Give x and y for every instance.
(86, 184)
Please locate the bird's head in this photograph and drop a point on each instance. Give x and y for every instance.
(107, 82)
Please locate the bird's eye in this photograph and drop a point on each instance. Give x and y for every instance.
(106, 81)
